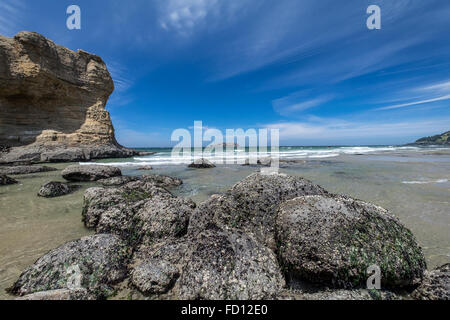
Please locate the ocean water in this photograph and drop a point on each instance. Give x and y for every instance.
(413, 183)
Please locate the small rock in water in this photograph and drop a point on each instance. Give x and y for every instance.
(267, 161)
(333, 240)
(202, 164)
(5, 180)
(435, 285)
(145, 168)
(90, 172)
(54, 189)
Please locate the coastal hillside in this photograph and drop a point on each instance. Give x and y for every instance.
(52, 99)
(440, 139)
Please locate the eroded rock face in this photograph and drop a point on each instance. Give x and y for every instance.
(215, 264)
(51, 99)
(435, 285)
(90, 172)
(251, 205)
(101, 260)
(334, 239)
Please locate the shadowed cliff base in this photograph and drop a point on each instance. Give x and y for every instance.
(52, 103)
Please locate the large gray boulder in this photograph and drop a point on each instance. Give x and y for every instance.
(148, 221)
(251, 205)
(334, 239)
(5, 180)
(435, 285)
(97, 200)
(96, 262)
(138, 212)
(214, 265)
(89, 172)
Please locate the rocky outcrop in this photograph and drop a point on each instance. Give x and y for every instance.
(93, 263)
(18, 170)
(52, 103)
(440, 139)
(215, 264)
(268, 237)
(334, 239)
(201, 164)
(435, 286)
(90, 172)
(55, 189)
(5, 180)
(251, 205)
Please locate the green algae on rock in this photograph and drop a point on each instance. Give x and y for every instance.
(334, 239)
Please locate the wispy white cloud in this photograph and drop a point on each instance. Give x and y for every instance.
(427, 94)
(122, 83)
(335, 130)
(10, 16)
(298, 102)
(184, 15)
(414, 103)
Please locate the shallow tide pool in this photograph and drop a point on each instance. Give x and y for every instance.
(416, 190)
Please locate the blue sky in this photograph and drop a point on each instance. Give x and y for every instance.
(310, 68)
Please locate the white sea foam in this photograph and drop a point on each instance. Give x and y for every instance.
(285, 153)
(426, 181)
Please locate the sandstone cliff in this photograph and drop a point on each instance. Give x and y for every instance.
(52, 103)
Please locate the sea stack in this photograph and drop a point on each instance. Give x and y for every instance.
(52, 103)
